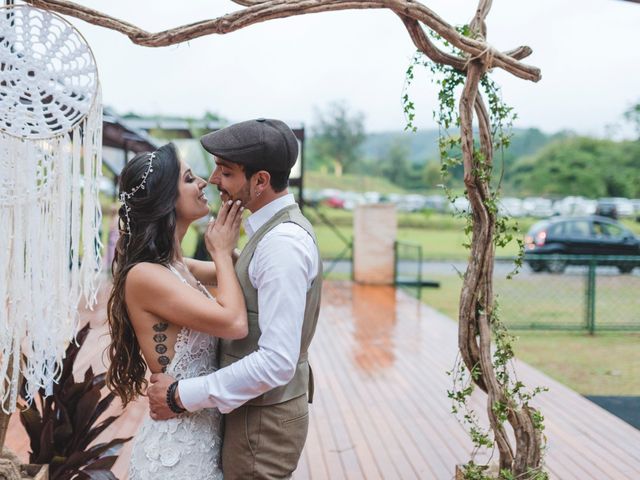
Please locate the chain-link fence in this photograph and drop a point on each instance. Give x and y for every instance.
(577, 292)
(560, 292)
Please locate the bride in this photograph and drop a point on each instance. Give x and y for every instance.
(161, 316)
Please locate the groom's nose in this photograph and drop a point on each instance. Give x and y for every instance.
(214, 178)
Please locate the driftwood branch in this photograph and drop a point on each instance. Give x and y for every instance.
(425, 45)
(476, 298)
(257, 11)
(477, 24)
(249, 3)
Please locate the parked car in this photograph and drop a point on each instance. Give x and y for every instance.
(311, 197)
(436, 202)
(588, 235)
(614, 207)
(607, 209)
(372, 197)
(460, 205)
(334, 202)
(538, 207)
(511, 207)
(412, 203)
(352, 199)
(572, 205)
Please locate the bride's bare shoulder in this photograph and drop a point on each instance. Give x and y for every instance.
(143, 269)
(148, 276)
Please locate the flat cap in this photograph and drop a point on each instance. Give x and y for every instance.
(260, 144)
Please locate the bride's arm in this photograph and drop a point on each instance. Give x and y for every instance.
(152, 288)
(158, 291)
(204, 271)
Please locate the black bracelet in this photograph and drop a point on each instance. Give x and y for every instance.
(171, 399)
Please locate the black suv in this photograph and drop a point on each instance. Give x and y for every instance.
(591, 235)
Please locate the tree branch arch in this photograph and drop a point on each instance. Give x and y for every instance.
(257, 11)
(472, 58)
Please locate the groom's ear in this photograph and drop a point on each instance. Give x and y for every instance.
(262, 179)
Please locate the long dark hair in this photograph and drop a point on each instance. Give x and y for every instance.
(146, 236)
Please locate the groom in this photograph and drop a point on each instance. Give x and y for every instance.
(264, 379)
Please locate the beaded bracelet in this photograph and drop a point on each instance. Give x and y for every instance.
(171, 399)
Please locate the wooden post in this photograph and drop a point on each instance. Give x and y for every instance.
(374, 235)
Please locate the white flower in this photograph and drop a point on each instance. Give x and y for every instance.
(169, 456)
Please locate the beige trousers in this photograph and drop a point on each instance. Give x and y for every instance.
(264, 442)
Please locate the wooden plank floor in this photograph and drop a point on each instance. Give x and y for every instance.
(381, 409)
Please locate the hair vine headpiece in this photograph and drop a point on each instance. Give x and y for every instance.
(124, 196)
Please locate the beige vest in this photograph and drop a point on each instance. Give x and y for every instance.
(232, 350)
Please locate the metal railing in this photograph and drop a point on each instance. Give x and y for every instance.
(408, 267)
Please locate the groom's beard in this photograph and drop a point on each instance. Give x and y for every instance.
(243, 195)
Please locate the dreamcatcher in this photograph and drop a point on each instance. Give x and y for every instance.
(50, 163)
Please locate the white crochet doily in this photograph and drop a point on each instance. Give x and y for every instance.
(48, 75)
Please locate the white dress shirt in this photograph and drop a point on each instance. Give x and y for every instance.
(282, 269)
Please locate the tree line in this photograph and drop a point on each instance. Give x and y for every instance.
(536, 163)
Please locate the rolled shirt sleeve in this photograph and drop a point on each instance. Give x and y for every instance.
(282, 269)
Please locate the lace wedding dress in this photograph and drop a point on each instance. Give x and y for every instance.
(186, 447)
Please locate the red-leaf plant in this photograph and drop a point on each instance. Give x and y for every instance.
(62, 426)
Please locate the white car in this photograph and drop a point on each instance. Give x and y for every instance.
(511, 206)
(460, 205)
(537, 207)
(573, 205)
(412, 203)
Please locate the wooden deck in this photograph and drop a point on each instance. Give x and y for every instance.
(381, 409)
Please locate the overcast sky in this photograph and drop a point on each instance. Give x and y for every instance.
(588, 51)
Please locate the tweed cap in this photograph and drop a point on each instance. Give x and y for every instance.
(261, 144)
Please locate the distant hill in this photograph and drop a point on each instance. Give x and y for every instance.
(423, 144)
(584, 166)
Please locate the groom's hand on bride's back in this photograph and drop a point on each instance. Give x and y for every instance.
(157, 393)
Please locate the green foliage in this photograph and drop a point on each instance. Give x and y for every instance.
(337, 136)
(633, 116)
(431, 175)
(62, 427)
(207, 117)
(393, 162)
(501, 116)
(472, 471)
(422, 151)
(422, 145)
(581, 166)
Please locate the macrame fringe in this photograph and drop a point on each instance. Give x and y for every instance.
(50, 220)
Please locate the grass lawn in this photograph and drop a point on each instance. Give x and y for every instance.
(603, 364)
(436, 244)
(607, 363)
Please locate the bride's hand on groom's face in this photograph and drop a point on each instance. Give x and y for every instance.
(221, 236)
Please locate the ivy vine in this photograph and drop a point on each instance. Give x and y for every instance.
(450, 82)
